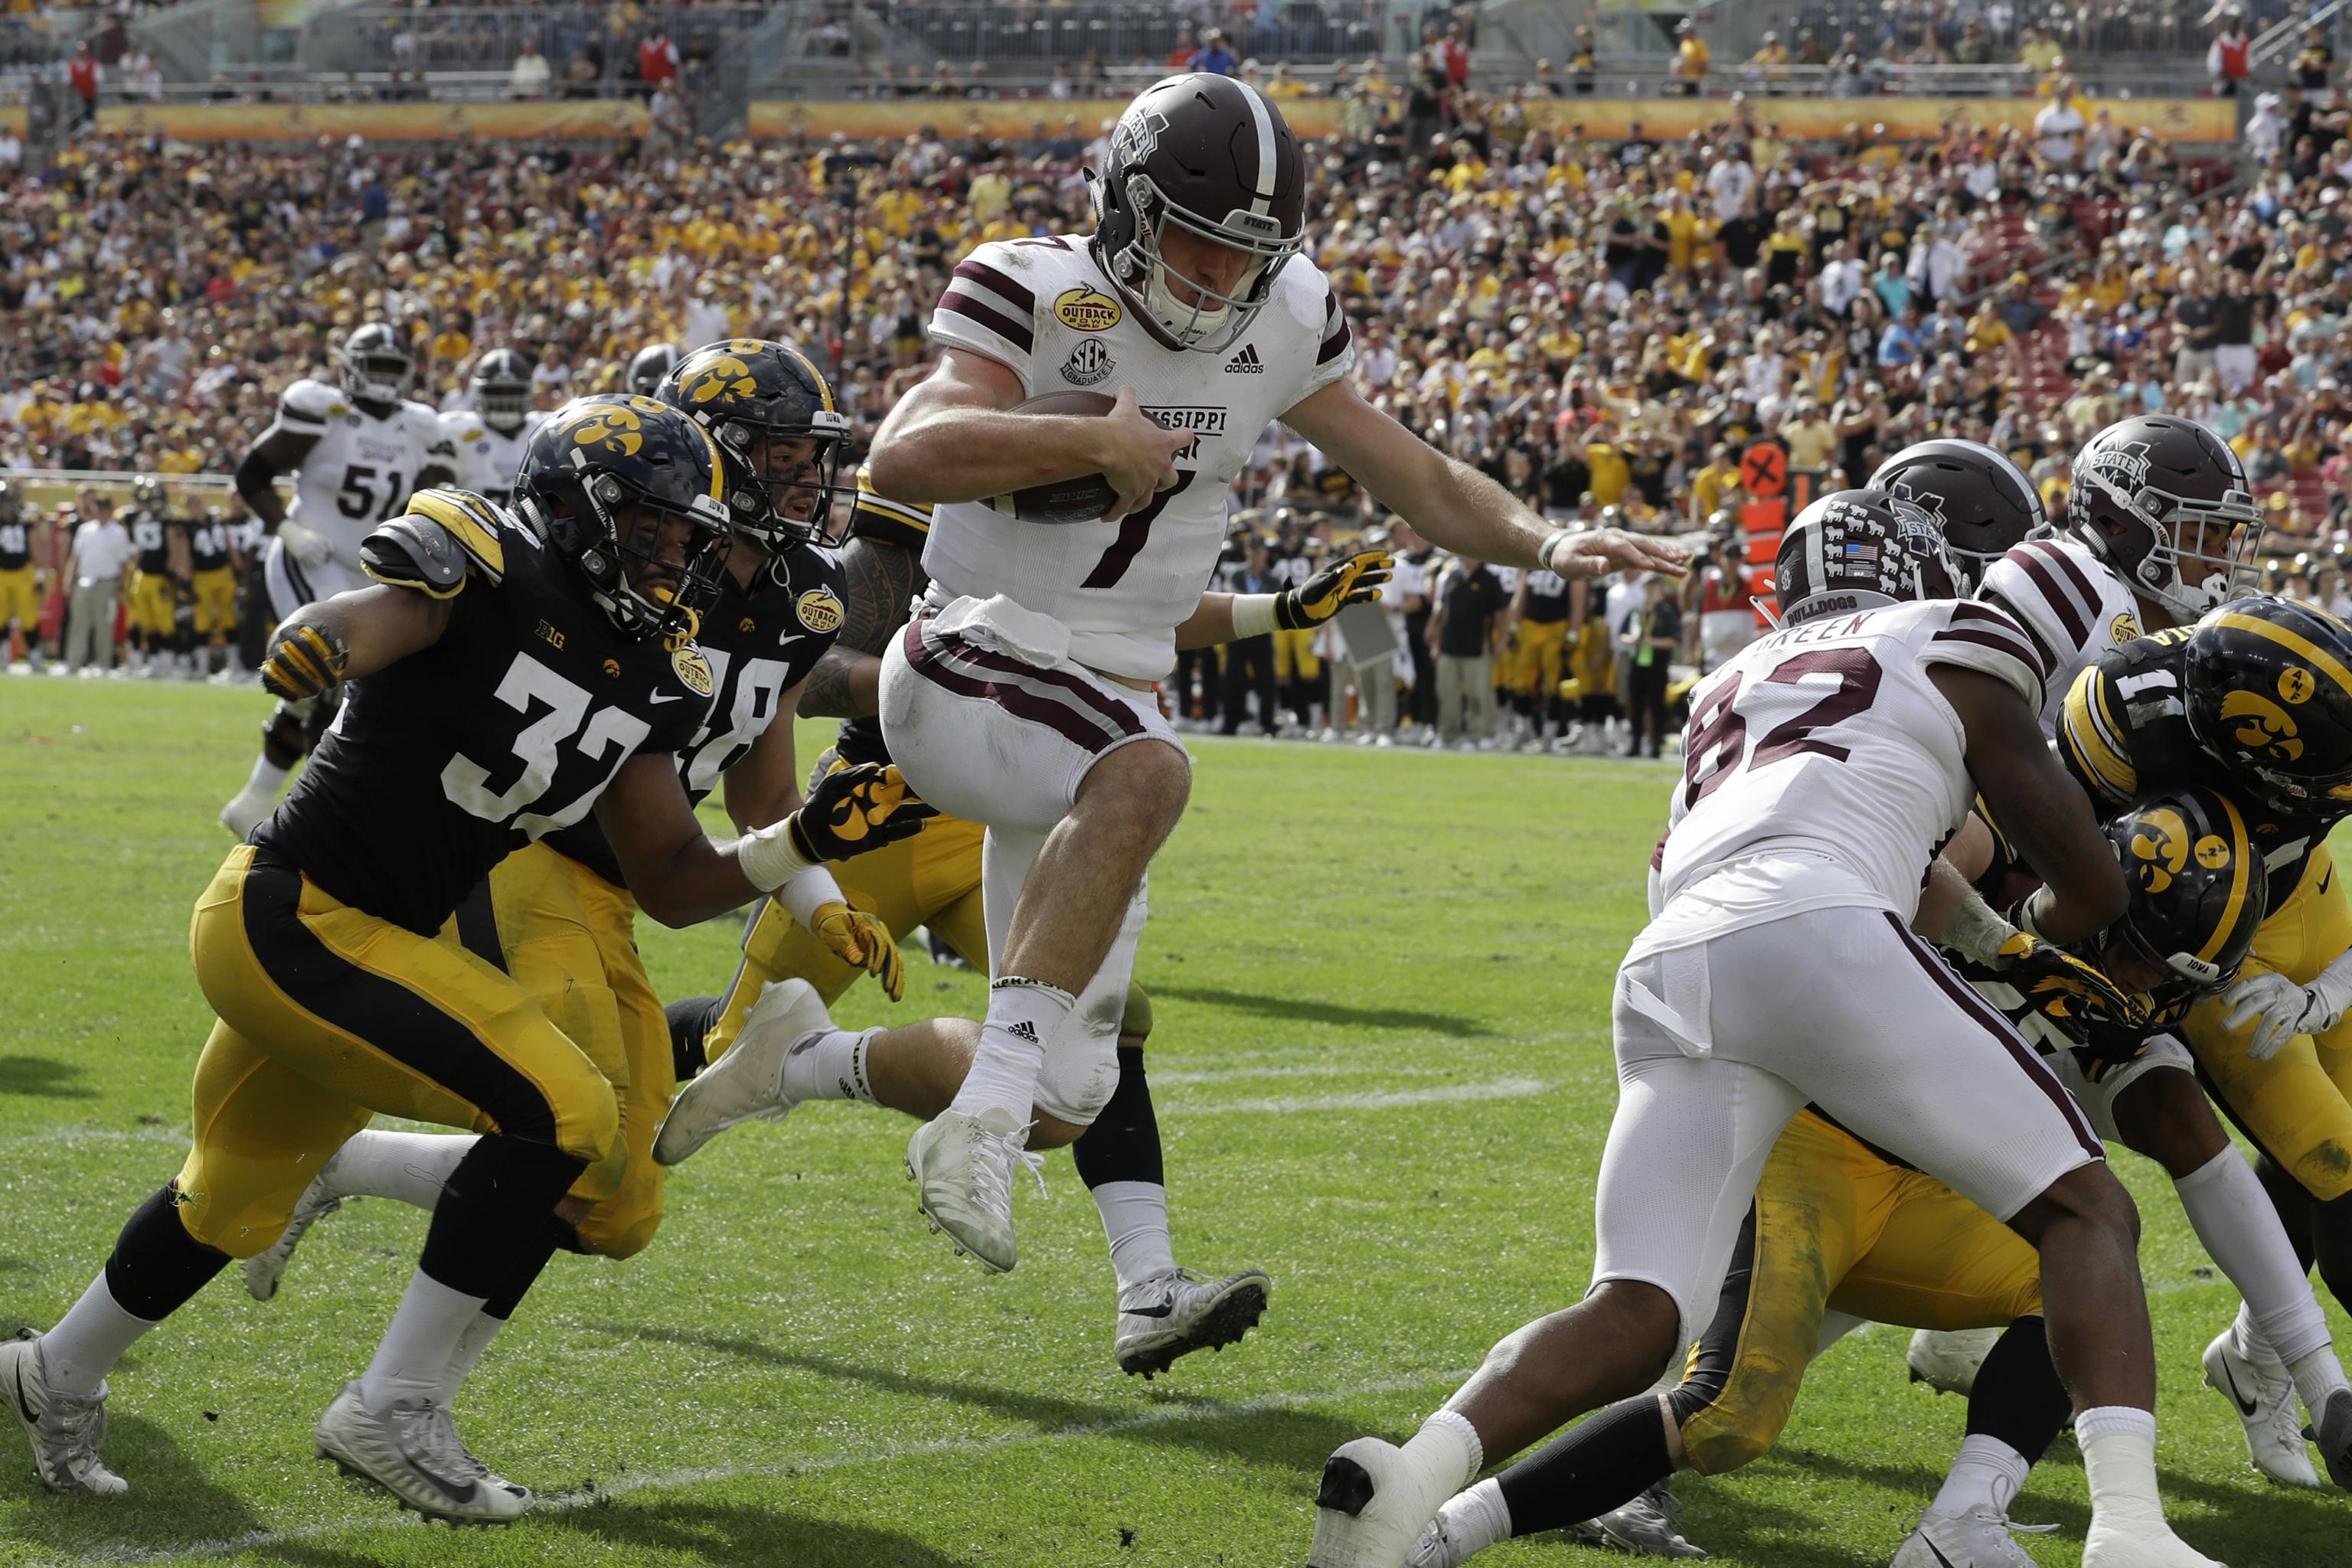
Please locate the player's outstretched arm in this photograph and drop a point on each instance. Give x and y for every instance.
(1355, 579)
(348, 637)
(1449, 502)
(953, 439)
(2043, 812)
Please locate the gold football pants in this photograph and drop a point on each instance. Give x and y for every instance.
(327, 1015)
(149, 607)
(20, 600)
(1294, 654)
(1539, 653)
(214, 592)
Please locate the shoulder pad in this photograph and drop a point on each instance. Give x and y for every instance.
(310, 403)
(473, 523)
(415, 552)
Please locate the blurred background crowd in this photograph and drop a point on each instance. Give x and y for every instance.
(1609, 326)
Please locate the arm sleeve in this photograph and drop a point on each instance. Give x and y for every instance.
(988, 310)
(1982, 639)
(906, 524)
(2093, 746)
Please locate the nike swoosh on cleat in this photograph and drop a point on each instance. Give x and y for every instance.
(2245, 1406)
(22, 1403)
(1946, 1561)
(1162, 1310)
(456, 1493)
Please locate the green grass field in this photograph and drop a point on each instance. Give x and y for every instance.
(1382, 1066)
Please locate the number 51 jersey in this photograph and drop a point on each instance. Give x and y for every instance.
(506, 729)
(359, 473)
(1826, 749)
(1042, 308)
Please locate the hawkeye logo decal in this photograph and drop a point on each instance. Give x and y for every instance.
(1087, 310)
(613, 427)
(715, 374)
(2263, 726)
(2161, 847)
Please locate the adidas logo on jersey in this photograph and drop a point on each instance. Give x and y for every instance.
(1246, 363)
(1023, 1030)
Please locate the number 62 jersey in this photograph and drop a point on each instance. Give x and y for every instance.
(505, 729)
(1825, 759)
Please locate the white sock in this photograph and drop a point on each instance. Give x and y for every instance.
(829, 1064)
(1988, 1473)
(2250, 1342)
(1023, 1016)
(471, 1346)
(411, 1167)
(1476, 1518)
(89, 1340)
(416, 1349)
(2118, 1444)
(2233, 1217)
(1135, 1221)
(267, 778)
(1447, 1450)
(1835, 1326)
(2316, 1376)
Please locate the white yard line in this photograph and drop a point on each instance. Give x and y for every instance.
(1498, 1088)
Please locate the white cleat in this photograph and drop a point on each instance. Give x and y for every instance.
(1439, 1547)
(413, 1451)
(65, 1430)
(962, 1166)
(2140, 1546)
(1981, 1538)
(265, 1269)
(749, 1080)
(1947, 1359)
(2332, 1430)
(1644, 1527)
(1178, 1312)
(2264, 1401)
(1371, 1510)
(247, 810)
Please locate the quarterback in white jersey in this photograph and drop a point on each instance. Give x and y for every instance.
(489, 438)
(357, 453)
(1824, 766)
(1020, 695)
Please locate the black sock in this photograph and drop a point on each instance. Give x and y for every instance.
(156, 1266)
(530, 1260)
(493, 1207)
(689, 1021)
(2018, 1397)
(1603, 1463)
(1123, 1144)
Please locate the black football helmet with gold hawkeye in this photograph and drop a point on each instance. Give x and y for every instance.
(631, 492)
(2198, 891)
(772, 414)
(2267, 683)
(2166, 502)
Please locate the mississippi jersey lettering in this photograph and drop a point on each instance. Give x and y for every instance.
(506, 729)
(2126, 732)
(363, 468)
(208, 545)
(760, 645)
(1827, 743)
(2076, 608)
(487, 459)
(908, 527)
(1044, 308)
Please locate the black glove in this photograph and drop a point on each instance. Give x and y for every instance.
(1350, 580)
(2083, 1005)
(303, 661)
(853, 810)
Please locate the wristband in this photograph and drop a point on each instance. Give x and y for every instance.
(2020, 913)
(768, 857)
(1974, 930)
(1543, 553)
(1253, 615)
(806, 893)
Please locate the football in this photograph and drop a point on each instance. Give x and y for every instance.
(1083, 498)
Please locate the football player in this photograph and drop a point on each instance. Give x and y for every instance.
(2256, 701)
(491, 437)
(1539, 622)
(356, 452)
(650, 367)
(215, 565)
(1021, 690)
(1298, 671)
(934, 880)
(23, 577)
(157, 577)
(1885, 716)
(557, 914)
(1837, 1228)
(510, 672)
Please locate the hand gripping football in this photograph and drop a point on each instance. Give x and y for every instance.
(1082, 498)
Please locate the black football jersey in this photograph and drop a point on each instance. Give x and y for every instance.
(147, 537)
(208, 545)
(16, 546)
(1547, 597)
(762, 642)
(905, 526)
(505, 731)
(2126, 732)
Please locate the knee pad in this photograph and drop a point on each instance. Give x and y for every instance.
(1081, 1072)
(1135, 1024)
(624, 1225)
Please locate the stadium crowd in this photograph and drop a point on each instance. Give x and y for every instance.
(1604, 327)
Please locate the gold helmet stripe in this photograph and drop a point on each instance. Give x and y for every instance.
(2242, 855)
(717, 464)
(2294, 642)
(2088, 739)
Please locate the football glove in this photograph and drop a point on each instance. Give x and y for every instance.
(1350, 580)
(2076, 998)
(304, 661)
(862, 940)
(308, 549)
(2279, 1009)
(851, 810)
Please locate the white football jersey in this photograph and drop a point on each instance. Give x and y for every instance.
(361, 471)
(1826, 751)
(2070, 601)
(489, 458)
(1044, 308)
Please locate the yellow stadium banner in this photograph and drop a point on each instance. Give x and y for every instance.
(584, 119)
(895, 117)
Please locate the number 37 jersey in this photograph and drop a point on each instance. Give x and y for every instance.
(1825, 755)
(505, 729)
